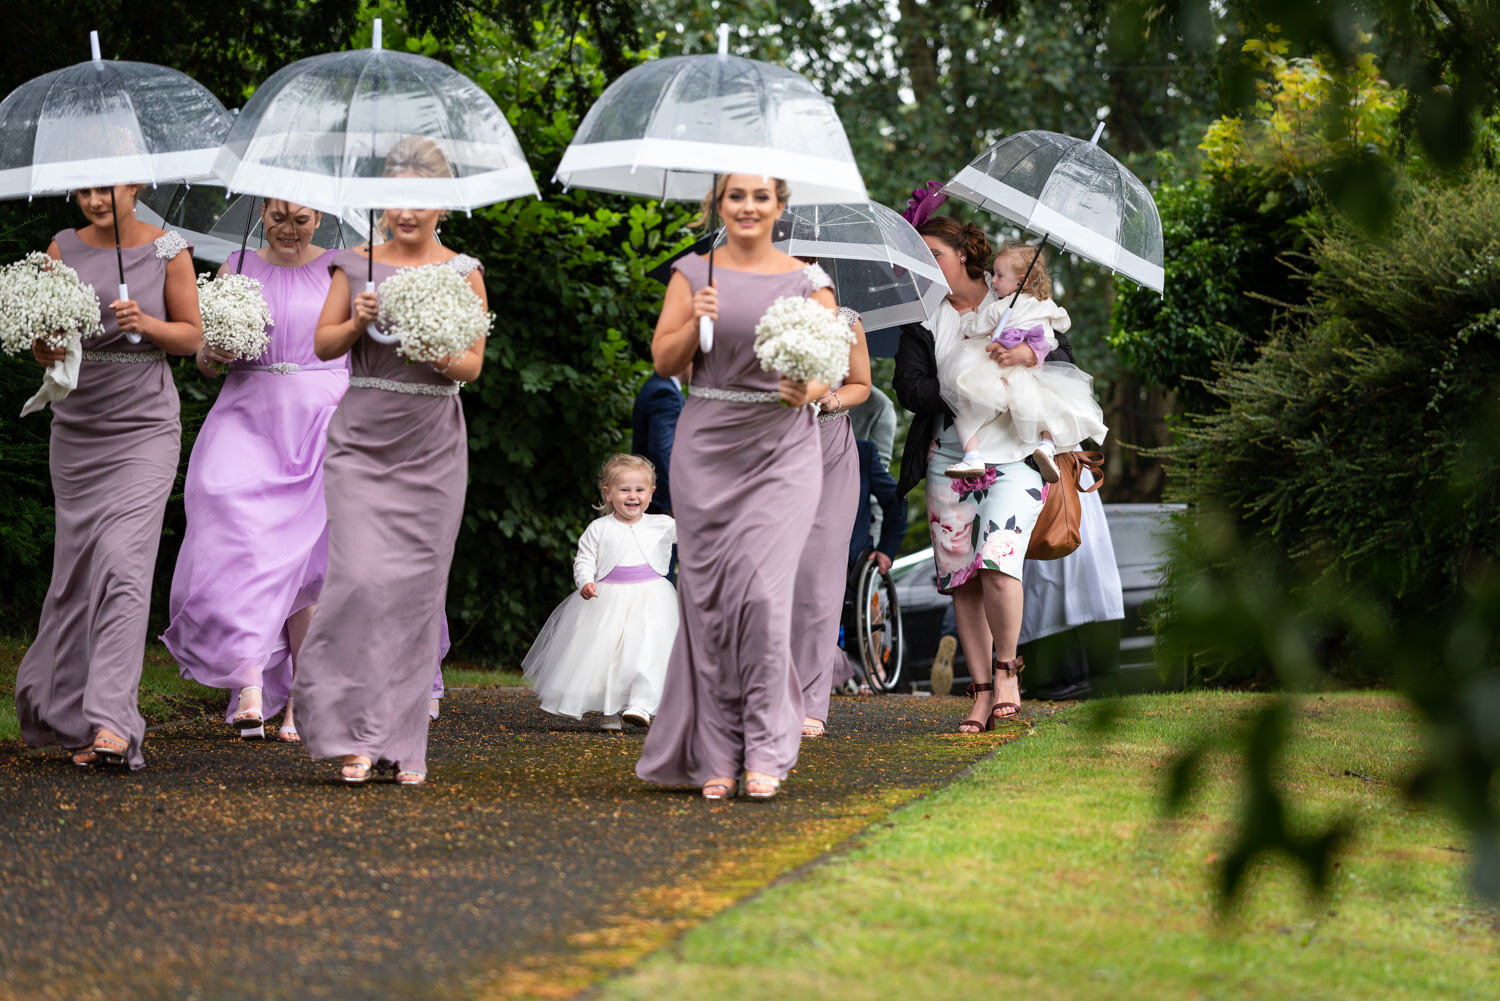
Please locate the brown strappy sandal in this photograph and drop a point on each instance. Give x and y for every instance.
(979, 725)
(1011, 669)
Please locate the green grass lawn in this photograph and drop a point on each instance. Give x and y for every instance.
(1047, 873)
(164, 695)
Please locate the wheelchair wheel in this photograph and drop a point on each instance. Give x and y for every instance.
(877, 628)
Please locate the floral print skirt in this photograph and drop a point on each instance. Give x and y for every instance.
(983, 523)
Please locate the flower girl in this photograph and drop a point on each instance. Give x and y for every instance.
(1051, 405)
(605, 648)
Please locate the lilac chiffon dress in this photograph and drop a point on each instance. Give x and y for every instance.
(256, 546)
(394, 481)
(746, 476)
(115, 443)
(823, 569)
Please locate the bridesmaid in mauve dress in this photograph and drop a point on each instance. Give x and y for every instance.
(818, 604)
(256, 548)
(394, 480)
(747, 473)
(115, 442)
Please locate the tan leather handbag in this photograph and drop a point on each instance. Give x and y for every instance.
(1057, 528)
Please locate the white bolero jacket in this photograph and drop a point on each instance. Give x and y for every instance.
(609, 542)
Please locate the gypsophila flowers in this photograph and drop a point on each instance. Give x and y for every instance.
(434, 312)
(42, 299)
(235, 315)
(802, 339)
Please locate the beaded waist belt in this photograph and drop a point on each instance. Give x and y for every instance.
(830, 418)
(733, 395)
(288, 367)
(410, 388)
(124, 357)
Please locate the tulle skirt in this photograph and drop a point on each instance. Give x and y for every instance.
(1054, 397)
(607, 653)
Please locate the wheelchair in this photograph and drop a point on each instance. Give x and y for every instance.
(871, 633)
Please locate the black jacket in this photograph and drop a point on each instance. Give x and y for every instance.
(916, 386)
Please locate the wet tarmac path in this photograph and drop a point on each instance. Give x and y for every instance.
(531, 864)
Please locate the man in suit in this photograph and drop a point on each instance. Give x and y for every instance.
(653, 424)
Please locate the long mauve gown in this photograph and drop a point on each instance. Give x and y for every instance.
(394, 481)
(115, 444)
(746, 477)
(256, 546)
(823, 569)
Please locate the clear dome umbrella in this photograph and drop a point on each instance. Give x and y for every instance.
(880, 266)
(319, 132)
(105, 122)
(1075, 194)
(217, 224)
(667, 128)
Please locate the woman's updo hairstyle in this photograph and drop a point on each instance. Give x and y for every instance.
(721, 184)
(966, 239)
(414, 156)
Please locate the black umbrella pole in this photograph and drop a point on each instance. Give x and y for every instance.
(245, 237)
(713, 224)
(1027, 276)
(114, 215)
(370, 255)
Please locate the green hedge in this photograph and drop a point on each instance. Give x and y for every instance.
(1357, 448)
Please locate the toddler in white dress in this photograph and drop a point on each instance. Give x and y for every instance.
(1050, 403)
(605, 648)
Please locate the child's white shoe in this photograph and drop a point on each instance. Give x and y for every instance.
(970, 466)
(1045, 463)
(611, 723)
(636, 716)
(434, 708)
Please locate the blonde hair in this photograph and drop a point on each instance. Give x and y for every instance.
(418, 156)
(1039, 282)
(617, 464)
(721, 184)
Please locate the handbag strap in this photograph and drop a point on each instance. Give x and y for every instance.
(1092, 461)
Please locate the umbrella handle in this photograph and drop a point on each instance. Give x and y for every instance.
(372, 331)
(124, 295)
(705, 334)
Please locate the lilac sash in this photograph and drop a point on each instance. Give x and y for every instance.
(635, 573)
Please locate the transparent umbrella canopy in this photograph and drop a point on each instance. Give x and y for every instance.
(107, 122)
(1075, 194)
(666, 128)
(319, 130)
(322, 131)
(217, 225)
(879, 264)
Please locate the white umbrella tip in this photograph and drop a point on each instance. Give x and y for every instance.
(723, 39)
(94, 46)
(375, 34)
(1098, 131)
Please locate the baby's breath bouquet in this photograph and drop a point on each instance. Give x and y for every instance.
(42, 299)
(802, 339)
(235, 315)
(433, 311)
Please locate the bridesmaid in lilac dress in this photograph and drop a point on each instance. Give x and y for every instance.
(821, 573)
(394, 479)
(747, 473)
(115, 442)
(256, 548)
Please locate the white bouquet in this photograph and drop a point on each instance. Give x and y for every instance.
(433, 311)
(235, 315)
(42, 299)
(803, 339)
